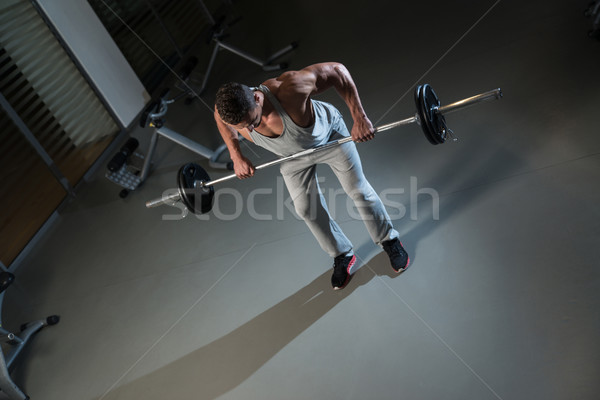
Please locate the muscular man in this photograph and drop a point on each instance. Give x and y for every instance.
(281, 116)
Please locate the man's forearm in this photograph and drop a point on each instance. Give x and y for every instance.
(345, 86)
(233, 145)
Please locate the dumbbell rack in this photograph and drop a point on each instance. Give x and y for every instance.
(129, 175)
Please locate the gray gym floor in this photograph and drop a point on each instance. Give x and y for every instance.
(502, 296)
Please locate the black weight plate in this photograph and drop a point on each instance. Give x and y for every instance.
(422, 113)
(435, 122)
(198, 200)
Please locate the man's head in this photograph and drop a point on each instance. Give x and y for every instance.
(234, 102)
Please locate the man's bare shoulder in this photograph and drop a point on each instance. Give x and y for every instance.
(292, 85)
(273, 84)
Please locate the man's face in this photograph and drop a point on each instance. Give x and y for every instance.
(251, 121)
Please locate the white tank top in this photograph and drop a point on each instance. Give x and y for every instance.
(328, 123)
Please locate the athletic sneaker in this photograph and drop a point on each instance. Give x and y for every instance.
(398, 256)
(341, 271)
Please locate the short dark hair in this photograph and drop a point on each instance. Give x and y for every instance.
(234, 101)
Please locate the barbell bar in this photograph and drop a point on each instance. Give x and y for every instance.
(194, 180)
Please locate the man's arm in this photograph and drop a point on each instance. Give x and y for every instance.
(242, 167)
(319, 77)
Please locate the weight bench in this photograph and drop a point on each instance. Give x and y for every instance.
(13, 344)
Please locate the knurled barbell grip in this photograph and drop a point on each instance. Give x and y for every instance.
(490, 95)
(325, 146)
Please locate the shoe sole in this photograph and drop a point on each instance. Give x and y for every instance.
(350, 265)
(405, 267)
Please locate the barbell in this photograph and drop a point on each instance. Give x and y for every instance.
(195, 187)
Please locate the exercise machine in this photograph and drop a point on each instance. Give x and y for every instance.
(217, 34)
(129, 169)
(13, 344)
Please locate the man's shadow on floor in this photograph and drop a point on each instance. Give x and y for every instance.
(225, 363)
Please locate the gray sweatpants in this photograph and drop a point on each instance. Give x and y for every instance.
(301, 180)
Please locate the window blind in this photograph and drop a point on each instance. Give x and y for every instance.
(43, 63)
(63, 127)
